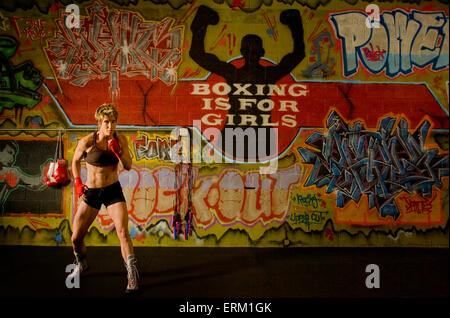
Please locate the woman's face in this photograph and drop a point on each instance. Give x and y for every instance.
(107, 126)
(7, 156)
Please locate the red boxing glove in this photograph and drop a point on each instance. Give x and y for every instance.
(115, 147)
(79, 187)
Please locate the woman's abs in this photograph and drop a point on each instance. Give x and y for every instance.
(99, 177)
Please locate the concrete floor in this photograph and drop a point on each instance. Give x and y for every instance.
(172, 276)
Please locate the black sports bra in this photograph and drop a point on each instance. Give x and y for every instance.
(99, 157)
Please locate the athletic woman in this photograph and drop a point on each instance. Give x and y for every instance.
(102, 151)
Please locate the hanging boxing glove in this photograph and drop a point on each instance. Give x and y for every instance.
(57, 173)
(60, 172)
(48, 171)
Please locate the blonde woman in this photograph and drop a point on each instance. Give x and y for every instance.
(102, 151)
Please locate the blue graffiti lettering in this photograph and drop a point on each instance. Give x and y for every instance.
(353, 161)
(403, 40)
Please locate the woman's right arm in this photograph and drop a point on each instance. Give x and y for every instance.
(78, 155)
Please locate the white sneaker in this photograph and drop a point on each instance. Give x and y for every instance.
(133, 274)
(81, 266)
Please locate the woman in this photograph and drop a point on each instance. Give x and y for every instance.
(102, 150)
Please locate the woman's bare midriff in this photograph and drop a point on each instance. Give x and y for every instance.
(99, 177)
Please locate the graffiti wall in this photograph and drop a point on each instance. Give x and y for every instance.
(310, 123)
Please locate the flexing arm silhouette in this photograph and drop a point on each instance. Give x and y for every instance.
(293, 20)
(204, 17)
(251, 49)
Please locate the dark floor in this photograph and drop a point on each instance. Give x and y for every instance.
(269, 274)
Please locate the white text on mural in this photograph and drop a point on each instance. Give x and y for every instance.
(250, 97)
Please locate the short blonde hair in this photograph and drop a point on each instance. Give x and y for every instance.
(106, 110)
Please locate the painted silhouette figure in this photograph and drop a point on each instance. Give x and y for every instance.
(252, 72)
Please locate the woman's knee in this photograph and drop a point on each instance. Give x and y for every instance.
(76, 239)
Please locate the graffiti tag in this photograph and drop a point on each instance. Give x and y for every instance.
(372, 55)
(354, 161)
(306, 201)
(108, 44)
(419, 206)
(414, 38)
(32, 29)
(159, 148)
(307, 217)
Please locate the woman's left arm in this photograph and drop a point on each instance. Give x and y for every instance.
(125, 157)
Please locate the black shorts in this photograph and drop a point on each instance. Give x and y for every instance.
(108, 195)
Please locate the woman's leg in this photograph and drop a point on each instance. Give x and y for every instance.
(83, 219)
(119, 214)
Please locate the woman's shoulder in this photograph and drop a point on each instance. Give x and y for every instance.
(88, 140)
(121, 137)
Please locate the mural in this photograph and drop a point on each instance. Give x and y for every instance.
(23, 191)
(18, 82)
(312, 123)
(401, 41)
(122, 50)
(353, 161)
(248, 80)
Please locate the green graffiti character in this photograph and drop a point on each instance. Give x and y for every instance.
(18, 84)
